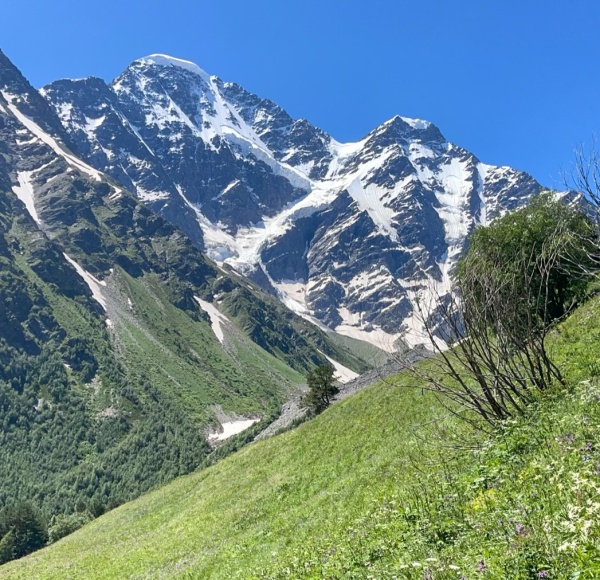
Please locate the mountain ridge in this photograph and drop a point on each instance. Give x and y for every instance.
(286, 204)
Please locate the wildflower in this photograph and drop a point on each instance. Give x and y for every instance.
(565, 547)
(453, 567)
(520, 529)
(588, 446)
(543, 574)
(570, 438)
(481, 567)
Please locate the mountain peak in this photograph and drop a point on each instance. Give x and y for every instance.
(171, 61)
(407, 128)
(344, 233)
(418, 124)
(398, 121)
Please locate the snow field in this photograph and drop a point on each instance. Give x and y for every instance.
(217, 319)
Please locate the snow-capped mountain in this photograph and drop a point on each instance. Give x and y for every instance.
(344, 233)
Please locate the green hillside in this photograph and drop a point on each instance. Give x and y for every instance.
(385, 484)
(111, 372)
(97, 412)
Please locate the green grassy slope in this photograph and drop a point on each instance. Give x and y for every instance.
(180, 354)
(382, 485)
(99, 406)
(94, 413)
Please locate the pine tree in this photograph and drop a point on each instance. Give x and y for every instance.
(321, 389)
(23, 531)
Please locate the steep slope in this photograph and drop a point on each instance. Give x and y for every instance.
(122, 345)
(385, 484)
(348, 234)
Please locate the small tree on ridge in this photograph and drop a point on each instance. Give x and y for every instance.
(321, 389)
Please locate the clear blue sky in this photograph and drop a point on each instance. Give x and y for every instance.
(515, 81)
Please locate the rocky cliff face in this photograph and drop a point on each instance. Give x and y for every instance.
(345, 234)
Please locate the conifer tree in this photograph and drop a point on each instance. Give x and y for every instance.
(321, 389)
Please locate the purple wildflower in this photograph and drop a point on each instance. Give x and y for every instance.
(520, 529)
(543, 574)
(588, 446)
(481, 567)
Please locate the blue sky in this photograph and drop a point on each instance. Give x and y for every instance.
(515, 82)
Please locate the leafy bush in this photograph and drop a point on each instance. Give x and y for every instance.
(519, 276)
(541, 257)
(62, 525)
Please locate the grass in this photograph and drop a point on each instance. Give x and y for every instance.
(382, 485)
(258, 505)
(182, 356)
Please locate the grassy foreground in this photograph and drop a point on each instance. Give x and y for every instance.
(382, 485)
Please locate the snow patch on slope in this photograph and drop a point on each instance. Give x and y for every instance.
(91, 125)
(453, 209)
(368, 200)
(342, 374)
(354, 326)
(293, 295)
(216, 318)
(36, 130)
(93, 283)
(231, 428)
(243, 251)
(24, 191)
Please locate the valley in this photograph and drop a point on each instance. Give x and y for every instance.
(179, 256)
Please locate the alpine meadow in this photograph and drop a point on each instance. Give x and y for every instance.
(234, 347)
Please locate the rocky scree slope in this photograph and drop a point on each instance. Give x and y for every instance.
(344, 233)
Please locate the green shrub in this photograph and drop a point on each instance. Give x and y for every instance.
(62, 525)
